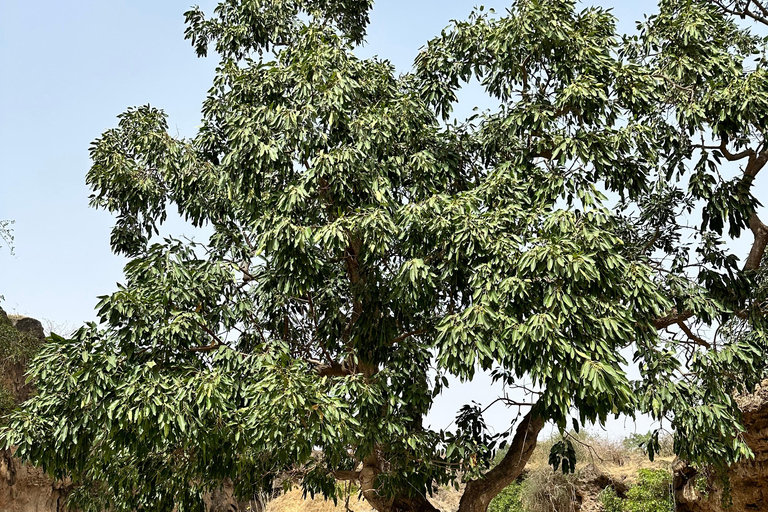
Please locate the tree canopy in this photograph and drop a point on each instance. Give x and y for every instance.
(367, 245)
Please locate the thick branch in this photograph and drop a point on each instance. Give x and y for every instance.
(696, 339)
(332, 369)
(348, 476)
(479, 493)
(745, 12)
(760, 232)
(723, 148)
(369, 484)
(732, 157)
(407, 335)
(671, 319)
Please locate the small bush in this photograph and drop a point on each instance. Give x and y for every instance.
(650, 494)
(15, 346)
(508, 500)
(611, 501)
(7, 403)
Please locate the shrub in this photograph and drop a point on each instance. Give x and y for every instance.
(611, 501)
(508, 500)
(650, 494)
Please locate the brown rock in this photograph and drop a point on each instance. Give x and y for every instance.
(591, 482)
(27, 489)
(29, 325)
(748, 480)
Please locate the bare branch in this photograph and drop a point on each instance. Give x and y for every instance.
(696, 339)
(407, 335)
(332, 369)
(349, 476)
(731, 7)
(207, 348)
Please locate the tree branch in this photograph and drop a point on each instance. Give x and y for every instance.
(332, 369)
(760, 232)
(671, 319)
(745, 12)
(207, 348)
(696, 339)
(348, 476)
(723, 148)
(407, 335)
(480, 492)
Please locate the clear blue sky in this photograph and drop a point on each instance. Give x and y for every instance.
(67, 68)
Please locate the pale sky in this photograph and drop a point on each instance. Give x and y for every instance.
(68, 68)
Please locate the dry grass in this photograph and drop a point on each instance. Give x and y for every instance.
(446, 499)
(292, 501)
(544, 489)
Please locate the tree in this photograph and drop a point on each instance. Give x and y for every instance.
(365, 246)
(6, 233)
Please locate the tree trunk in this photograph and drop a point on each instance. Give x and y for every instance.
(479, 493)
(401, 503)
(413, 504)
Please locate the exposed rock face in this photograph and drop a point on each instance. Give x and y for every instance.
(748, 480)
(27, 489)
(591, 482)
(28, 325)
(24, 488)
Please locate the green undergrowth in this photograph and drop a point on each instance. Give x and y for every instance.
(541, 489)
(7, 403)
(650, 494)
(15, 348)
(508, 500)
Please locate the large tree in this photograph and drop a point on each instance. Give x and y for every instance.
(366, 246)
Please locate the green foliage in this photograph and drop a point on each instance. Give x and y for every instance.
(649, 494)
(563, 454)
(7, 403)
(611, 501)
(660, 444)
(508, 500)
(16, 347)
(701, 484)
(364, 249)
